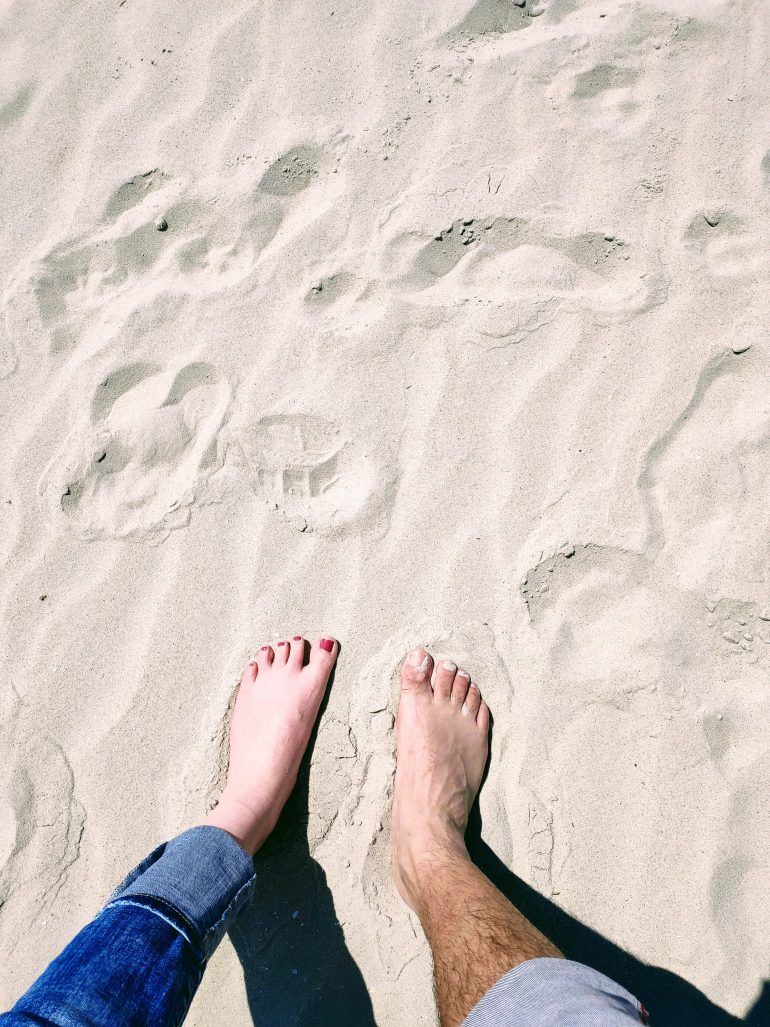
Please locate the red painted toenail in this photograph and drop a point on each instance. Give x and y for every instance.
(297, 638)
(264, 648)
(327, 644)
(283, 643)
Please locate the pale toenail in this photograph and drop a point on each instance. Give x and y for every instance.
(463, 674)
(420, 664)
(448, 665)
(464, 710)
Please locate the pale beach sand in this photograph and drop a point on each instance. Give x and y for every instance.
(438, 323)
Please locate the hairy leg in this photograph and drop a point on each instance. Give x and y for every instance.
(474, 932)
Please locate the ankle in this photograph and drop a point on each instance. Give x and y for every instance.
(238, 817)
(426, 858)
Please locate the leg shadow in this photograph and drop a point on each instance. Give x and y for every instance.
(297, 969)
(669, 998)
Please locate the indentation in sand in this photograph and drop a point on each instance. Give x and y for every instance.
(508, 277)
(41, 826)
(157, 237)
(493, 17)
(135, 469)
(308, 469)
(293, 171)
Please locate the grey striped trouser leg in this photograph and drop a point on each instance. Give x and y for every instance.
(556, 993)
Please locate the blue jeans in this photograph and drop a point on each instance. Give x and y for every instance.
(139, 963)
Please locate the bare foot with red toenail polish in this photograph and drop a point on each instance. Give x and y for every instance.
(277, 705)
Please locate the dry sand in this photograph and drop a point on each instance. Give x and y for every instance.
(445, 340)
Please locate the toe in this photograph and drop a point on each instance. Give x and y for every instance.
(323, 653)
(249, 675)
(265, 657)
(442, 683)
(460, 687)
(416, 670)
(482, 718)
(472, 702)
(297, 652)
(282, 652)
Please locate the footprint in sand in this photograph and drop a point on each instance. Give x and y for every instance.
(738, 889)
(615, 623)
(156, 236)
(344, 304)
(138, 465)
(604, 98)
(703, 481)
(41, 825)
(491, 18)
(506, 278)
(601, 78)
(727, 245)
(293, 171)
(308, 469)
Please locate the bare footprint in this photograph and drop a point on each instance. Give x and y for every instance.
(727, 245)
(137, 467)
(293, 171)
(41, 825)
(505, 279)
(156, 237)
(491, 18)
(697, 479)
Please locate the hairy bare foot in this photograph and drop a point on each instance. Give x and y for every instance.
(276, 708)
(442, 742)
(443, 738)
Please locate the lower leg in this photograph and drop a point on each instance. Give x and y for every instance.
(474, 932)
(142, 958)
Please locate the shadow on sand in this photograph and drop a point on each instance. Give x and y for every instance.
(671, 1000)
(299, 973)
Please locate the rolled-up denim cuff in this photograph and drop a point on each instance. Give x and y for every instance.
(202, 875)
(556, 993)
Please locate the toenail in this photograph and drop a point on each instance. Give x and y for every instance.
(464, 710)
(419, 659)
(327, 644)
(463, 674)
(297, 638)
(264, 648)
(283, 643)
(448, 665)
(252, 663)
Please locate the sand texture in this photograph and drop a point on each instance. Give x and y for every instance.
(440, 323)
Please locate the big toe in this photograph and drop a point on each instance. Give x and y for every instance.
(323, 655)
(416, 671)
